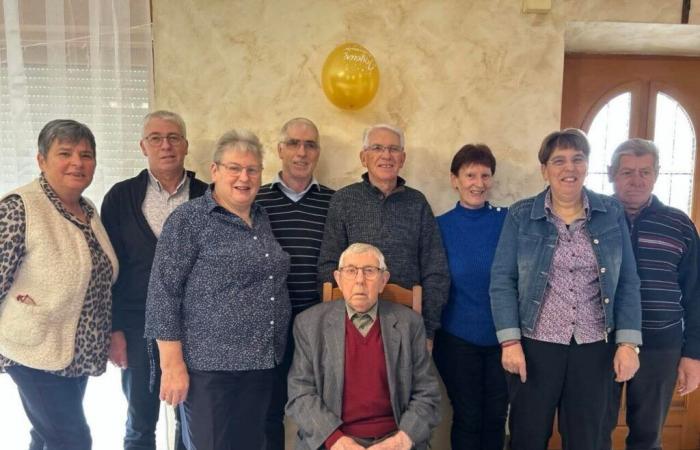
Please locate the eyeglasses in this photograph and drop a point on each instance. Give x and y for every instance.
(379, 148)
(236, 170)
(156, 140)
(369, 272)
(560, 161)
(297, 143)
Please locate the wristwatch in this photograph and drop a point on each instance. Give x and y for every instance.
(632, 346)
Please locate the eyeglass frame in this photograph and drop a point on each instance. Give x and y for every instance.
(379, 149)
(578, 160)
(179, 139)
(236, 170)
(343, 271)
(308, 144)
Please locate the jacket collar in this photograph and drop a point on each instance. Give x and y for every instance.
(538, 212)
(144, 175)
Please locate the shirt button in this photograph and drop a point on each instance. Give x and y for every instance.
(607, 300)
(602, 270)
(609, 330)
(271, 276)
(255, 238)
(272, 322)
(498, 209)
(596, 241)
(272, 298)
(267, 255)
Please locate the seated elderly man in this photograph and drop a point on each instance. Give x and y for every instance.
(361, 375)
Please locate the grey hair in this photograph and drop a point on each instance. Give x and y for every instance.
(359, 248)
(298, 120)
(636, 147)
(168, 116)
(382, 126)
(64, 130)
(239, 140)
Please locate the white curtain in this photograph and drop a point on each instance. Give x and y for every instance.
(88, 60)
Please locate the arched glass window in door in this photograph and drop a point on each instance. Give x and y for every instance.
(673, 134)
(676, 139)
(609, 128)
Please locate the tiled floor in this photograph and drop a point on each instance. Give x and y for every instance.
(105, 408)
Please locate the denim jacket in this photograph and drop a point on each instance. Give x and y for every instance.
(520, 270)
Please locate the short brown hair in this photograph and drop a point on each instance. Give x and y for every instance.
(473, 154)
(566, 138)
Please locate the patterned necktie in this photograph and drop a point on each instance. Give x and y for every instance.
(362, 322)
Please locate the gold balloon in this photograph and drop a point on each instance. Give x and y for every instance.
(350, 76)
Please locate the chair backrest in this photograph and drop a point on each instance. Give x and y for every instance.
(413, 298)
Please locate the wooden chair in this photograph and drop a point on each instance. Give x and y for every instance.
(413, 298)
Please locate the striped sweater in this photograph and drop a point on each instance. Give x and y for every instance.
(298, 227)
(667, 250)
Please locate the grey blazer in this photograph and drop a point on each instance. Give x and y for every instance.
(316, 377)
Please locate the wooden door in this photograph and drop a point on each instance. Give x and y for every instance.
(590, 82)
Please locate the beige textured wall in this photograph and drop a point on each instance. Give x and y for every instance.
(452, 72)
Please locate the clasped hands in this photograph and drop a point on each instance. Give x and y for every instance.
(399, 441)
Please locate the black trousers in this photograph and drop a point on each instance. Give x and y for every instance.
(649, 396)
(54, 407)
(476, 386)
(143, 404)
(226, 410)
(571, 379)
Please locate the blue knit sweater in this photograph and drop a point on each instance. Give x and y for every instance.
(470, 237)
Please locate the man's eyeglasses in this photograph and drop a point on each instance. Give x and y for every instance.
(297, 143)
(369, 272)
(379, 148)
(156, 139)
(236, 170)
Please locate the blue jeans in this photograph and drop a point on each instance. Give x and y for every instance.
(54, 406)
(144, 405)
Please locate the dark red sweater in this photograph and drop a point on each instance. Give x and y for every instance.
(367, 411)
